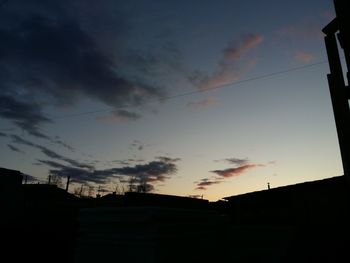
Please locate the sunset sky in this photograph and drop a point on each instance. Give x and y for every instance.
(202, 98)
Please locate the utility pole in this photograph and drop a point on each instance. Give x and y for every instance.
(68, 181)
(338, 32)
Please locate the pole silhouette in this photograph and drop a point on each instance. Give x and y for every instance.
(338, 32)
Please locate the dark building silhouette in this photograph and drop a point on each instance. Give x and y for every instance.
(338, 31)
(10, 195)
(320, 201)
(161, 200)
(38, 221)
(310, 220)
(150, 231)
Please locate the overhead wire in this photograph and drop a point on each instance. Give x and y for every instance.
(111, 109)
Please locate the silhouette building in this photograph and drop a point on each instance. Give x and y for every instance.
(338, 32)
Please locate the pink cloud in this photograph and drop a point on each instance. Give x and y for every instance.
(231, 66)
(231, 172)
(226, 73)
(247, 43)
(304, 57)
(221, 175)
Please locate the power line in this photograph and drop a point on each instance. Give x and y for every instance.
(197, 91)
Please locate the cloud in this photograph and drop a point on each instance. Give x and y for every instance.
(28, 116)
(120, 116)
(13, 148)
(204, 183)
(242, 166)
(205, 103)
(137, 145)
(51, 53)
(304, 57)
(3, 134)
(146, 175)
(128, 161)
(49, 153)
(233, 64)
(168, 159)
(235, 161)
(155, 171)
(249, 41)
(231, 172)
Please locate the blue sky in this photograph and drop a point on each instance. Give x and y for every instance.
(187, 97)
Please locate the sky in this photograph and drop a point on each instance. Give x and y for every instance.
(191, 98)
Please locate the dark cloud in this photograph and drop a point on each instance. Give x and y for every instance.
(230, 172)
(120, 116)
(68, 63)
(58, 141)
(13, 148)
(168, 159)
(49, 153)
(77, 174)
(145, 175)
(204, 183)
(128, 161)
(28, 116)
(128, 115)
(237, 161)
(51, 52)
(3, 134)
(155, 171)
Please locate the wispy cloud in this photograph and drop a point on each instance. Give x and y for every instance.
(249, 41)
(136, 144)
(27, 116)
(202, 104)
(120, 116)
(204, 183)
(147, 174)
(237, 171)
(235, 161)
(241, 167)
(13, 148)
(304, 57)
(233, 64)
(49, 153)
